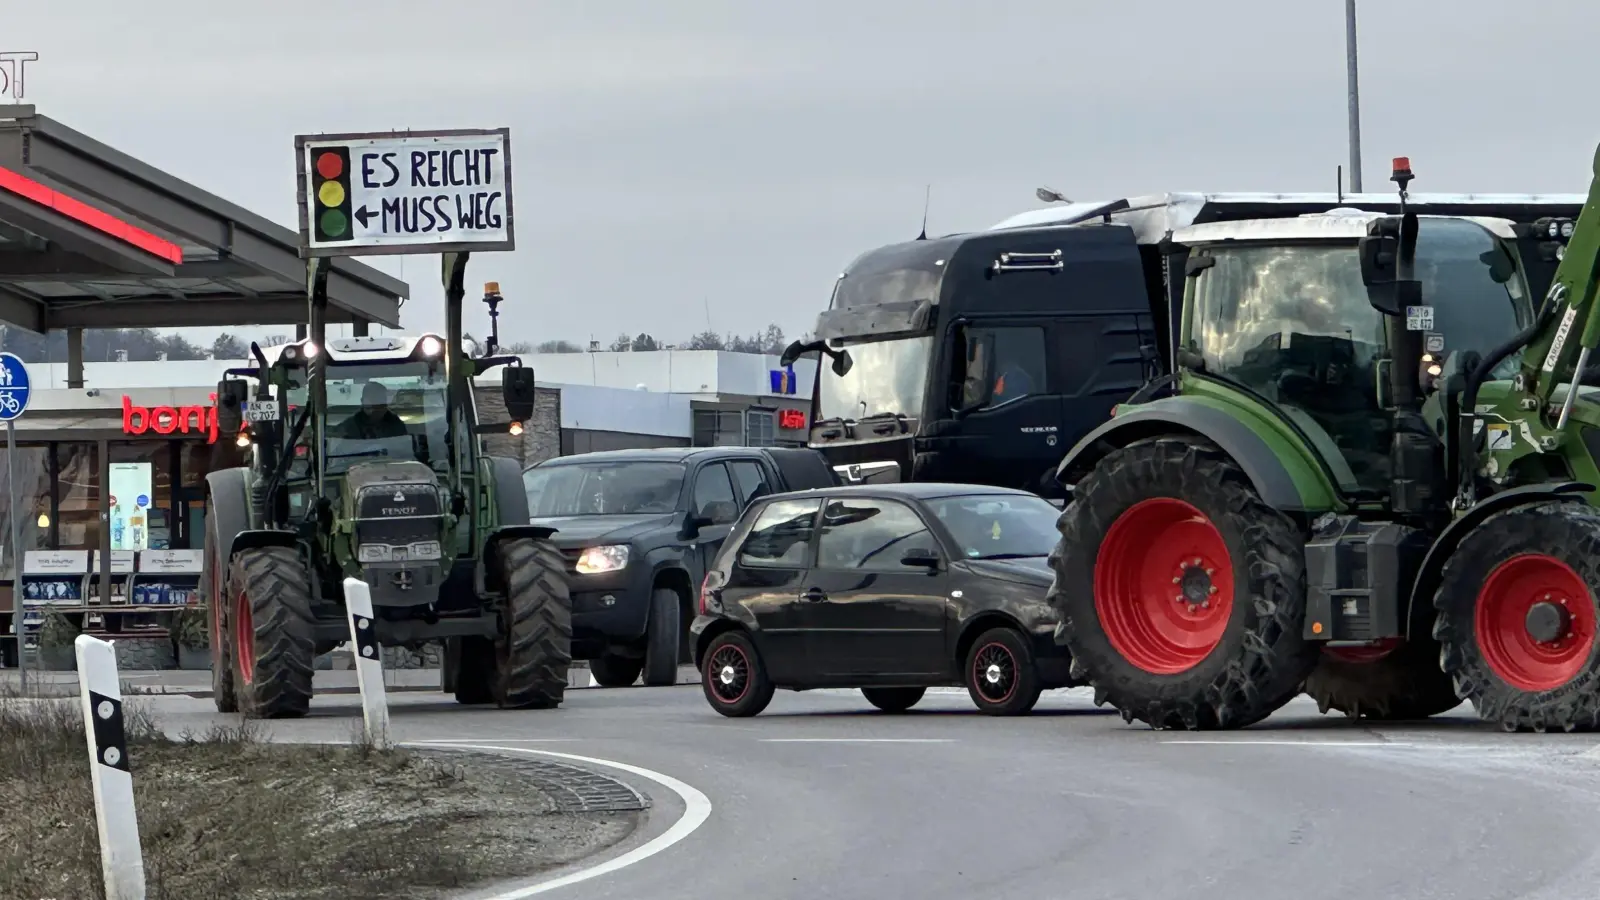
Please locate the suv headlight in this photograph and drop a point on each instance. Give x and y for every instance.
(594, 560)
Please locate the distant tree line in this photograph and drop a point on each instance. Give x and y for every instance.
(771, 340)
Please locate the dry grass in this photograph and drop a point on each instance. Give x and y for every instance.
(226, 814)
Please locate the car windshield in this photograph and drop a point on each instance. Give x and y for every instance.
(885, 377)
(603, 489)
(379, 411)
(999, 526)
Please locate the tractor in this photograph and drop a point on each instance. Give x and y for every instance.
(366, 461)
(1370, 478)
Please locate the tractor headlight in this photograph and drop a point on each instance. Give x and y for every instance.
(595, 560)
(423, 551)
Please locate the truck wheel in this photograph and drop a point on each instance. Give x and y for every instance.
(661, 639)
(894, 700)
(615, 671)
(274, 640)
(1392, 683)
(1182, 593)
(211, 579)
(1000, 674)
(1517, 618)
(733, 677)
(532, 653)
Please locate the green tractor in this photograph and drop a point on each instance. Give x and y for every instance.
(1372, 480)
(366, 462)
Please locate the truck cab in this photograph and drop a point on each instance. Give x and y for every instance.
(982, 357)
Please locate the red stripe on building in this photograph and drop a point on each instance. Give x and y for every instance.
(85, 214)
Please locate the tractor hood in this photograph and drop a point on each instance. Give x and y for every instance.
(584, 531)
(395, 511)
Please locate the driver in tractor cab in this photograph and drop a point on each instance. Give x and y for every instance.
(376, 420)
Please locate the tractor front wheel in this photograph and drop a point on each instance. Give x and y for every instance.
(534, 648)
(274, 646)
(1517, 618)
(1182, 593)
(1396, 681)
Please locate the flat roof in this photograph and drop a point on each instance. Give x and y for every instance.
(93, 238)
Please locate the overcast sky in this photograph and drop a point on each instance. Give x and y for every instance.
(679, 161)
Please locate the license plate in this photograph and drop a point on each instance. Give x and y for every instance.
(261, 411)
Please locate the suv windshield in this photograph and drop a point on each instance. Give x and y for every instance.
(999, 526)
(603, 489)
(885, 377)
(380, 411)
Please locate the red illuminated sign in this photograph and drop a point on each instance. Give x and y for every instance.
(791, 418)
(165, 420)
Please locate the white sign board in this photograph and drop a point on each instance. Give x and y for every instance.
(404, 192)
(171, 562)
(121, 562)
(55, 562)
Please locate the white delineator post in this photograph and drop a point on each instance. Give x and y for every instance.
(369, 661)
(99, 688)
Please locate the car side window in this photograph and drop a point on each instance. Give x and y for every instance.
(713, 495)
(780, 535)
(751, 479)
(870, 534)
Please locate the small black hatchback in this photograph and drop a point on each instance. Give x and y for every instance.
(889, 588)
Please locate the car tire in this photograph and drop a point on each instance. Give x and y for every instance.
(1000, 674)
(894, 700)
(661, 639)
(734, 678)
(614, 671)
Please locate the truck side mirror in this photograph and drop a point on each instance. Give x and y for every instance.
(842, 363)
(518, 390)
(794, 351)
(232, 394)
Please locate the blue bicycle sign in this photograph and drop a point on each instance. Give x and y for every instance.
(14, 387)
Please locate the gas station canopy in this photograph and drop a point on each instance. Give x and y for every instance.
(93, 238)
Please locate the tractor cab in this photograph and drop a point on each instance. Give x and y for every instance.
(1279, 309)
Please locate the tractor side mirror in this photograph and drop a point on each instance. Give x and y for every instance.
(1379, 252)
(518, 390)
(232, 394)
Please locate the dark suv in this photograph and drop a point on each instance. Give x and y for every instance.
(890, 588)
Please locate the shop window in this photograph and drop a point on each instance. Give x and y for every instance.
(718, 428)
(761, 427)
(140, 496)
(33, 505)
(78, 497)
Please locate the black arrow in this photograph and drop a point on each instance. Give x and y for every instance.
(364, 214)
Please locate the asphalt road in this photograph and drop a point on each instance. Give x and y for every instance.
(824, 797)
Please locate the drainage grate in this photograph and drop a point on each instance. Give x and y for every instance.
(580, 790)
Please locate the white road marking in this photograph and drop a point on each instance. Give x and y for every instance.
(1272, 743)
(503, 741)
(857, 740)
(697, 808)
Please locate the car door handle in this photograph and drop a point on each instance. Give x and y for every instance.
(815, 595)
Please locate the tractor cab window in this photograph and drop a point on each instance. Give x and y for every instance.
(1293, 323)
(384, 411)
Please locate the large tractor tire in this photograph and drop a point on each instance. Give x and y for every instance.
(273, 632)
(1517, 617)
(534, 650)
(211, 580)
(1182, 593)
(1391, 683)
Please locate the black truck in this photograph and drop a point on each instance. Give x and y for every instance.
(638, 529)
(982, 357)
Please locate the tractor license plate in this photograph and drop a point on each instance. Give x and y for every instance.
(261, 411)
(1419, 318)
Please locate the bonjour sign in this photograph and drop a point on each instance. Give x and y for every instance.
(165, 420)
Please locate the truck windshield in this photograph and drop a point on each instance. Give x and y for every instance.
(381, 411)
(885, 377)
(603, 489)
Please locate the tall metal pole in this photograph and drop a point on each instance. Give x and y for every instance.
(16, 555)
(1355, 94)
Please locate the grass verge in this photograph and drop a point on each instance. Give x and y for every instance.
(226, 814)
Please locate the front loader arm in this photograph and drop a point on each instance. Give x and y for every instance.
(1553, 358)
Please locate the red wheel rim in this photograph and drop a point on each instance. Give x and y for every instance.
(994, 673)
(1500, 622)
(1364, 655)
(1163, 585)
(728, 674)
(244, 639)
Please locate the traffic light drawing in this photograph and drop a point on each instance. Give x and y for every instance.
(330, 190)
